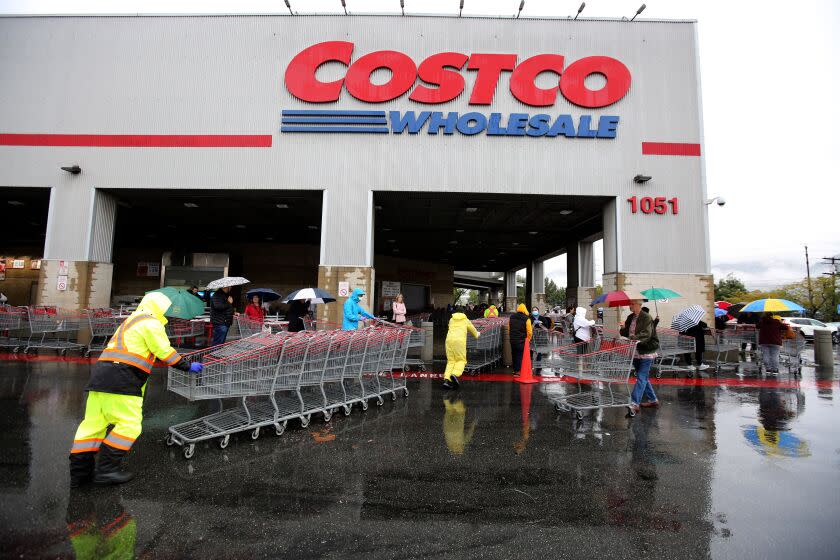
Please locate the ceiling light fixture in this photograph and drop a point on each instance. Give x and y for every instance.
(533, 232)
(312, 227)
(282, 206)
(240, 226)
(565, 212)
(392, 241)
(453, 242)
(470, 209)
(15, 202)
(459, 231)
(190, 205)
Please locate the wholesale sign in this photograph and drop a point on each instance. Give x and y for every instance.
(440, 79)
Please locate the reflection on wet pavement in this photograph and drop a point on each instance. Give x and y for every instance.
(729, 468)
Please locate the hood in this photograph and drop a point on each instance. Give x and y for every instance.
(492, 307)
(357, 294)
(458, 317)
(522, 309)
(155, 304)
(580, 312)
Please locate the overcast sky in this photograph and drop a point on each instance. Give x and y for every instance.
(770, 91)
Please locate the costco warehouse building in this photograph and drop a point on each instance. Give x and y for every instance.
(366, 150)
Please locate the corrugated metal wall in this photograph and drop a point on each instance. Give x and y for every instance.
(224, 75)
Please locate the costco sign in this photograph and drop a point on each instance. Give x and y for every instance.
(441, 79)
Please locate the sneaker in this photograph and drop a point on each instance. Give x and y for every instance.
(701, 367)
(634, 408)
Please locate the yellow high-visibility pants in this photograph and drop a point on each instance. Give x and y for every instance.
(124, 412)
(456, 358)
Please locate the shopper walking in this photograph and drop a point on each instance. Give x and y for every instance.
(771, 331)
(398, 310)
(698, 332)
(520, 331)
(254, 310)
(298, 309)
(581, 326)
(353, 311)
(639, 327)
(115, 393)
(221, 314)
(456, 349)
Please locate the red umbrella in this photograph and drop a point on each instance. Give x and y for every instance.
(619, 298)
(723, 304)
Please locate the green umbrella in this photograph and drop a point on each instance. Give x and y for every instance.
(184, 304)
(659, 293)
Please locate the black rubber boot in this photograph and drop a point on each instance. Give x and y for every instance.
(81, 468)
(456, 384)
(448, 384)
(108, 469)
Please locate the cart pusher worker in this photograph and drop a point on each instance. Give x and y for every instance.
(115, 393)
(354, 312)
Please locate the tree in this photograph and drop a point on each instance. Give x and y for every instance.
(554, 295)
(520, 290)
(457, 294)
(730, 289)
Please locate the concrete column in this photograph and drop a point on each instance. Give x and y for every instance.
(538, 285)
(586, 264)
(76, 272)
(695, 289)
(510, 291)
(427, 353)
(346, 251)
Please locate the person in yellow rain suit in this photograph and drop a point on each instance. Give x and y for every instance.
(457, 438)
(115, 393)
(520, 331)
(491, 312)
(456, 349)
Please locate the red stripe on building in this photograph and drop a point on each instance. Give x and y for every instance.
(670, 149)
(139, 140)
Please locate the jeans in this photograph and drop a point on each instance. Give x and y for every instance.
(643, 386)
(219, 334)
(770, 356)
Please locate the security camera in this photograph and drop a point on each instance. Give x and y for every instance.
(721, 201)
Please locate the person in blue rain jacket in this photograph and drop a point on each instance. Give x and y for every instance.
(353, 311)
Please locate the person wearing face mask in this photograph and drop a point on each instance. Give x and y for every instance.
(539, 323)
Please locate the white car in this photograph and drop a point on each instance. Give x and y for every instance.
(806, 326)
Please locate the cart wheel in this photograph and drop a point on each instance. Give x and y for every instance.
(631, 412)
(256, 433)
(189, 451)
(168, 440)
(557, 408)
(304, 421)
(63, 353)
(659, 375)
(280, 428)
(87, 353)
(364, 405)
(380, 401)
(579, 415)
(327, 415)
(224, 442)
(347, 410)
(405, 392)
(393, 396)
(423, 368)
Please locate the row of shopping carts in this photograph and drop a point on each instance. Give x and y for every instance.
(277, 377)
(737, 348)
(485, 351)
(23, 329)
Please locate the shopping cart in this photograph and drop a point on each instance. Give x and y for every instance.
(745, 339)
(13, 327)
(672, 345)
(721, 346)
(486, 350)
(53, 328)
(416, 341)
(542, 343)
(791, 354)
(103, 324)
(249, 327)
(180, 330)
(601, 363)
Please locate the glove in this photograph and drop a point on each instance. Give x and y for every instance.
(196, 367)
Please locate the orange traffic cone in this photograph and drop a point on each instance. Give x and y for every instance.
(525, 374)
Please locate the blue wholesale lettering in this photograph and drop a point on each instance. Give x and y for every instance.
(447, 123)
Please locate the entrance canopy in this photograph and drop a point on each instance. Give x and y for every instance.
(477, 231)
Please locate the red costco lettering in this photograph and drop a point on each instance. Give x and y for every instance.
(442, 72)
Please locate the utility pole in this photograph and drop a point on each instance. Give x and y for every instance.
(835, 261)
(810, 293)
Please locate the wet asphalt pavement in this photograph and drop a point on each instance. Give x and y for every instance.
(729, 467)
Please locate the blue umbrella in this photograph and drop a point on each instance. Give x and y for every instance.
(597, 300)
(265, 294)
(720, 312)
(315, 295)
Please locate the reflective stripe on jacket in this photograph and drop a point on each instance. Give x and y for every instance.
(138, 341)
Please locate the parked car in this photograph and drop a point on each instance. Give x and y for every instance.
(836, 335)
(806, 326)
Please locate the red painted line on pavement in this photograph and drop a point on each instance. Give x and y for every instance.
(139, 140)
(670, 149)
